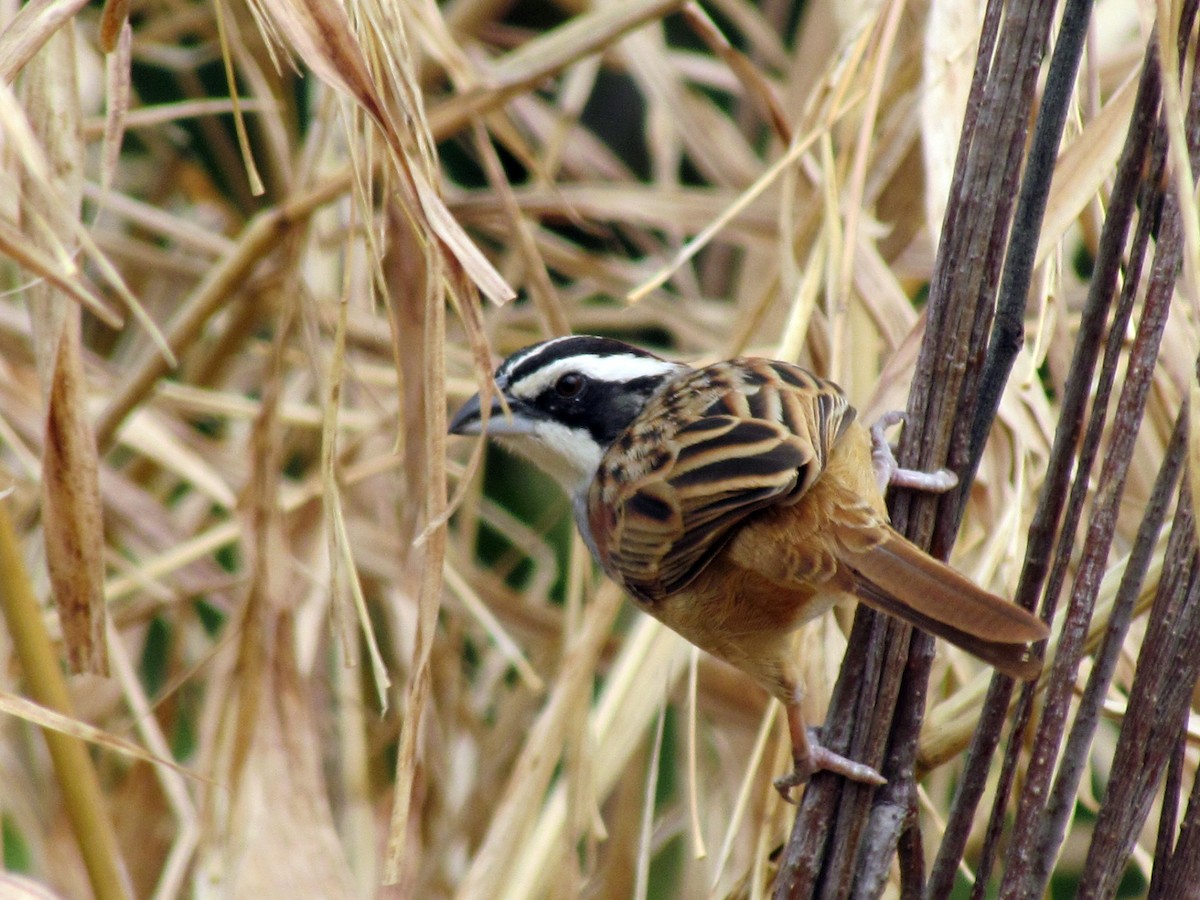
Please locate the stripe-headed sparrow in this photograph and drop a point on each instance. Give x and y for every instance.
(735, 502)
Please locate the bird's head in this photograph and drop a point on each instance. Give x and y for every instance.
(568, 399)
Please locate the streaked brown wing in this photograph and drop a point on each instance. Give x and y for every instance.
(727, 440)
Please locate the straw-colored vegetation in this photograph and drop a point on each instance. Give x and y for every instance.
(269, 633)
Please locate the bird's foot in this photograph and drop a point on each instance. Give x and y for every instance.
(822, 759)
(889, 472)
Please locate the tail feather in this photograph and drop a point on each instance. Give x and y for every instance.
(896, 577)
(1014, 660)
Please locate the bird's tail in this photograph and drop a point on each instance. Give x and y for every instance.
(896, 577)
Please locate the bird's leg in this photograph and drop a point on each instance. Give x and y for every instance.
(888, 471)
(810, 756)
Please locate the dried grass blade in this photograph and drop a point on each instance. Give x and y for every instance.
(495, 629)
(44, 201)
(523, 796)
(319, 31)
(853, 198)
(73, 527)
(537, 278)
(225, 279)
(341, 539)
(114, 21)
(30, 28)
(147, 434)
(949, 40)
(740, 203)
(44, 717)
(321, 34)
(117, 86)
(538, 59)
(155, 568)
(459, 243)
(73, 522)
(114, 280)
(274, 819)
(239, 121)
(699, 850)
(649, 792)
(269, 753)
(175, 867)
(1084, 167)
(652, 655)
(1167, 24)
(414, 153)
(17, 887)
(168, 226)
(16, 246)
(749, 784)
(335, 531)
(758, 88)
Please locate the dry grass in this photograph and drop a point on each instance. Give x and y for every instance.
(337, 654)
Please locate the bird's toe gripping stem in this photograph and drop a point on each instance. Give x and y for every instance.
(889, 472)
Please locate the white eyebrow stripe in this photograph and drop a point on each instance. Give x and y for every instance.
(511, 364)
(615, 369)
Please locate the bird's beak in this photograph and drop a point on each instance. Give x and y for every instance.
(501, 421)
(468, 419)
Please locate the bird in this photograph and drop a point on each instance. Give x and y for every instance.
(734, 502)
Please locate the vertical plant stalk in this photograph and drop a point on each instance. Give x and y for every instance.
(1168, 818)
(1081, 393)
(1168, 666)
(1049, 512)
(1177, 869)
(824, 856)
(1008, 329)
(1019, 877)
(1074, 759)
(83, 797)
(1007, 336)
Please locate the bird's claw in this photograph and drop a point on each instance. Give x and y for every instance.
(889, 472)
(822, 759)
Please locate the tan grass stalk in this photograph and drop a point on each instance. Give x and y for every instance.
(117, 87)
(239, 123)
(515, 811)
(86, 806)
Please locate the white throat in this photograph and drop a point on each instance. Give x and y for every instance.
(568, 456)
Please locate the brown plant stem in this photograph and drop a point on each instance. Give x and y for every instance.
(1061, 801)
(1019, 877)
(1179, 870)
(1168, 665)
(1051, 502)
(1168, 818)
(822, 858)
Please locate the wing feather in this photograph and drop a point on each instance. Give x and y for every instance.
(738, 437)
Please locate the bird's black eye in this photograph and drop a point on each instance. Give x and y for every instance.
(569, 385)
